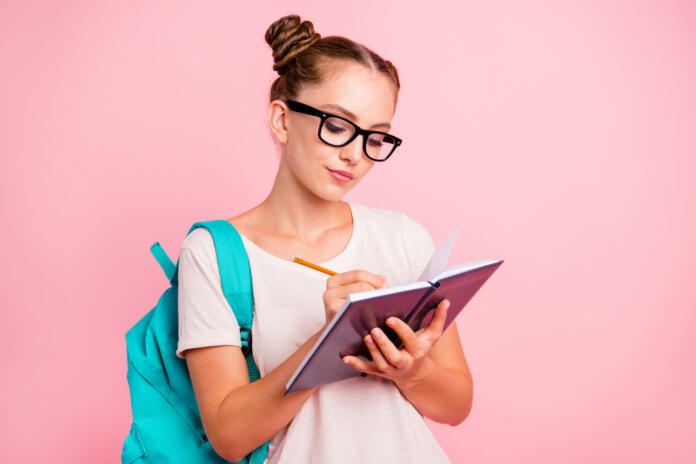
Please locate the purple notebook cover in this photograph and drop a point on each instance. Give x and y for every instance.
(415, 304)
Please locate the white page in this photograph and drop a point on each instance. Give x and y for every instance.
(463, 267)
(438, 262)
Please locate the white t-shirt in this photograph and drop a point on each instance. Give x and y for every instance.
(362, 419)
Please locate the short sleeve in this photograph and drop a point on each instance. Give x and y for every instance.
(420, 246)
(205, 316)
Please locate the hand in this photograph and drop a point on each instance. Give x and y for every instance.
(406, 364)
(338, 287)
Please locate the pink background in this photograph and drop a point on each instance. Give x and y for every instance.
(559, 135)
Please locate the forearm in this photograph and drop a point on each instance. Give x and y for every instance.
(255, 412)
(442, 395)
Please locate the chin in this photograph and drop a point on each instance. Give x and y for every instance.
(332, 193)
(334, 196)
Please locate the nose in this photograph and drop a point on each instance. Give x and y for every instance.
(354, 150)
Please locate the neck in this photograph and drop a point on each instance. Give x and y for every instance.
(292, 210)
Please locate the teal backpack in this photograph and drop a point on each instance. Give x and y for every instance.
(166, 424)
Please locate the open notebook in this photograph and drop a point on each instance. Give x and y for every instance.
(413, 302)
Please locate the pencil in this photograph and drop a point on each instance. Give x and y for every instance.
(295, 259)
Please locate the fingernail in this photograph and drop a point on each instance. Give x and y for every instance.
(391, 321)
(376, 332)
(368, 339)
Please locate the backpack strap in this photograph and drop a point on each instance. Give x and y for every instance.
(235, 277)
(163, 259)
(235, 274)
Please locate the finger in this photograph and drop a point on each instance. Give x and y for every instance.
(390, 352)
(343, 291)
(357, 287)
(378, 358)
(356, 275)
(361, 365)
(407, 336)
(437, 323)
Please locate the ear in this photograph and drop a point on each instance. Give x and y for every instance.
(277, 111)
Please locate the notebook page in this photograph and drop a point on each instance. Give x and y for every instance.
(438, 262)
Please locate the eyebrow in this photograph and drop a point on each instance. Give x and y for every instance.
(352, 116)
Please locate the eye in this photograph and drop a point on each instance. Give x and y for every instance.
(375, 143)
(333, 128)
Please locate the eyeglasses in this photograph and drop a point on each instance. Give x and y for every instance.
(338, 131)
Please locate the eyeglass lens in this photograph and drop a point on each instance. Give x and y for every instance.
(337, 132)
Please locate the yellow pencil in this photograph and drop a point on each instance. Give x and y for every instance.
(313, 266)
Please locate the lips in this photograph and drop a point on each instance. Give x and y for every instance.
(343, 173)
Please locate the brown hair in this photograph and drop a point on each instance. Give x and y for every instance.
(301, 56)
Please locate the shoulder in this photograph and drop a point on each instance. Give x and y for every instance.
(414, 229)
(198, 240)
(200, 246)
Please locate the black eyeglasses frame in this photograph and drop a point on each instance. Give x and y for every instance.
(323, 115)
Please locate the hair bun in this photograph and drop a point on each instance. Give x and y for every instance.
(288, 37)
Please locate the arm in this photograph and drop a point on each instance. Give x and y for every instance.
(443, 391)
(231, 406)
(237, 415)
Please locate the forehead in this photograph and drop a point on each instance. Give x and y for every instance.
(368, 95)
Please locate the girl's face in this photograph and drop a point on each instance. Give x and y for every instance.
(349, 90)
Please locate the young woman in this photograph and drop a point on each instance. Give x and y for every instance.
(330, 95)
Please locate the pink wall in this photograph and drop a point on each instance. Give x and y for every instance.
(560, 134)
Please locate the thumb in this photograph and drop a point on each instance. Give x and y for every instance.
(437, 323)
